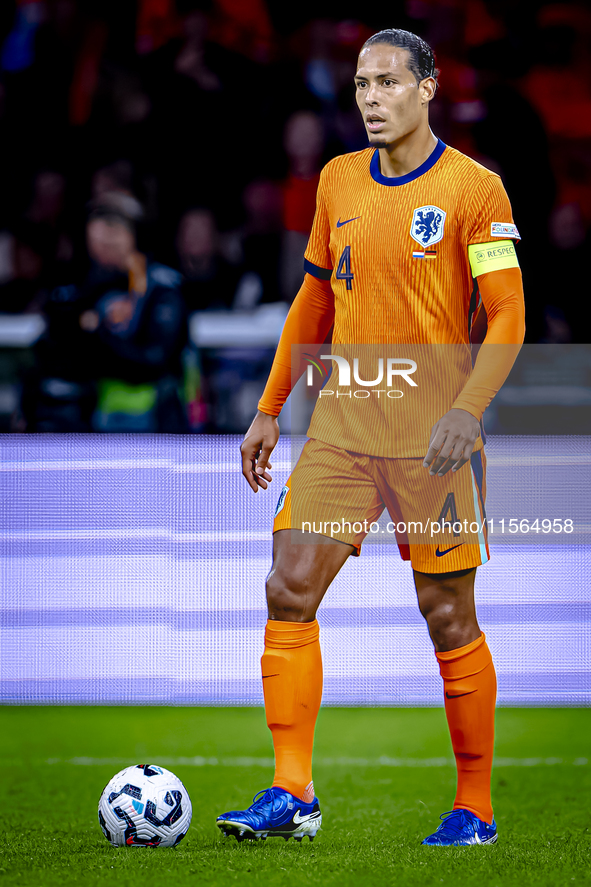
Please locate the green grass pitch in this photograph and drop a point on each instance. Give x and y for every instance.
(56, 761)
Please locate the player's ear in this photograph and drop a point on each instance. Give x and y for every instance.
(427, 88)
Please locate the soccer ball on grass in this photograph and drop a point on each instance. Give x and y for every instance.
(144, 806)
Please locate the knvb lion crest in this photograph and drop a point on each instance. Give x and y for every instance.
(427, 225)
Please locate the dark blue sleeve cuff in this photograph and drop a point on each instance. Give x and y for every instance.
(317, 271)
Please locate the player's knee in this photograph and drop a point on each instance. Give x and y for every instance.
(289, 596)
(440, 616)
(448, 625)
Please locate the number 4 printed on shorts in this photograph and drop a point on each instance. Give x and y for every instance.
(345, 263)
(449, 507)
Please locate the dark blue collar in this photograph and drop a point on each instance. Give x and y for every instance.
(431, 160)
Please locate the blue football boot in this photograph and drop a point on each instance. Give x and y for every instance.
(460, 828)
(274, 811)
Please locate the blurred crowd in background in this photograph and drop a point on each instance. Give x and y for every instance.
(159, 168)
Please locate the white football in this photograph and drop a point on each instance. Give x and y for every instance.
(145, 806)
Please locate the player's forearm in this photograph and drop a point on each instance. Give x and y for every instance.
(502, 296)
(308, 322)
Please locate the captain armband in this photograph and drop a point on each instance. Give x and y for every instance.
(486, 257)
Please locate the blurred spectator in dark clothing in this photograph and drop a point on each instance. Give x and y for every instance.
(123, 331)
(558, 87)
(304, 145)
(115, 178)
(243, 28)
(330, 56)
(192, 81)
(47, 204)
(261, 243)
(210, 281)
(506, 127)
(328, 49)
(47, 210)
(190, 61)
(139, 331)
(37, 245)
(58, 394)
(26, 274)
(558, 82)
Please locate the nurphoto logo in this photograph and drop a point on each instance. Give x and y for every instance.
(395, 368)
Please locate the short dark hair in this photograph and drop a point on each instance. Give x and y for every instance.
(422, 57)
(111, 216)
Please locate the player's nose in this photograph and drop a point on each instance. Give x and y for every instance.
(371, 95)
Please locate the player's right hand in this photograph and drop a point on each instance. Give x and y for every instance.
(257, 446)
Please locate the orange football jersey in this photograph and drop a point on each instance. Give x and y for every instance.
(396, 249)
(396, 253)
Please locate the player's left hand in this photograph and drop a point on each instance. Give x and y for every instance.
(452, 441)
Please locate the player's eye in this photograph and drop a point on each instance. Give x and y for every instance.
(387, 82)
(360, 84)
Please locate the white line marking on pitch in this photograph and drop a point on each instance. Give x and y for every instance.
(324, 762)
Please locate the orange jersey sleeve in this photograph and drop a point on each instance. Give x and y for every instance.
(502, 297)
(309, 320)
(489, 212)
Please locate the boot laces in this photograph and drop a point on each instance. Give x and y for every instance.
(264, 801)
(455, 822)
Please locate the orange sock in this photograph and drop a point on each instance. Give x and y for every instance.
(292, 685)
(470, 686)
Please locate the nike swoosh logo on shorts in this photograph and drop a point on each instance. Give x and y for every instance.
(439, 553)
(457, 695)
(346, 222)
(297, 819)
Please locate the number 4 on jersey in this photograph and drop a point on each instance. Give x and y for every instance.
(344, 267)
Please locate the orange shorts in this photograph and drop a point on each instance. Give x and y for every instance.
(439, 523)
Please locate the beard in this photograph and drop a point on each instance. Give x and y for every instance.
(377, 140)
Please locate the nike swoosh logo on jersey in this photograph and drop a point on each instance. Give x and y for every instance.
(439, 553)
(297, 819)
(457, 695)
(346, 222)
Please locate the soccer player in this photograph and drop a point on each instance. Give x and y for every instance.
(410, 237)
